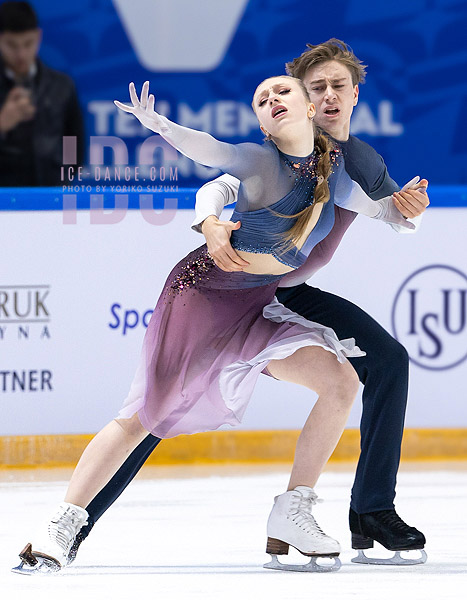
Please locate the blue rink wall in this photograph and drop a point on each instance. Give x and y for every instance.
(126, 194)
(204, 60)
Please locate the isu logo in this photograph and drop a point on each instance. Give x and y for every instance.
(429, 317)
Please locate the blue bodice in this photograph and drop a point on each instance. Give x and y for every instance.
(261, 229)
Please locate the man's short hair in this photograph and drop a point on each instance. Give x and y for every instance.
(17, 17)
(333, 49)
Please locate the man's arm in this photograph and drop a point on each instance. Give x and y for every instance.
(212, 197)
(210, 201)
(18, 107)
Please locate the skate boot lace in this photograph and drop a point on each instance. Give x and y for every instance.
(64, 526)
(391, 519)
(301, 514)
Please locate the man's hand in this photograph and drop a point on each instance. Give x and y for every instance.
(217, 234)
(18, 107)
(413, 201)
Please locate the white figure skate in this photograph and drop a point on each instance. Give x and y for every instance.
(291, 523)
(51, 555)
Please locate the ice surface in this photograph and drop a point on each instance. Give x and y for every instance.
(204, 537)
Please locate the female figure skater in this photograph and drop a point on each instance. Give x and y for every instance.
(213, 332)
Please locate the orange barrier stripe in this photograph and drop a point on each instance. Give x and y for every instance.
(228, 446)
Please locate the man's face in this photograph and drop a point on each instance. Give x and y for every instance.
(334, 96)
(19, 50)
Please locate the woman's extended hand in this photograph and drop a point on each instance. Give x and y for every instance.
(144, 109)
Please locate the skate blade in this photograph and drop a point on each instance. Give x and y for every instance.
(42, 567)
(312, 567)
(35, 563)
(397, 559)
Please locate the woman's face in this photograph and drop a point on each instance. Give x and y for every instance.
(279, 101)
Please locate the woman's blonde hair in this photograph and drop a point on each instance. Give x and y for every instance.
(292, 236)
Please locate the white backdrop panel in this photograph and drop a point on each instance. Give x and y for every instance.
(66, 360)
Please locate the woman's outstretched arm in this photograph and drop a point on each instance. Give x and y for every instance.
(236, 159)
(349, 195)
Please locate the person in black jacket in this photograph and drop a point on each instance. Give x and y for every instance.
(38, 105)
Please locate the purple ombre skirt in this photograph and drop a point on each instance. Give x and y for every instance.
(211, 335)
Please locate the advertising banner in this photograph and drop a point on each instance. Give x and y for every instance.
(76, 297)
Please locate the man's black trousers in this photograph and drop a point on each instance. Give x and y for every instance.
(384, 374)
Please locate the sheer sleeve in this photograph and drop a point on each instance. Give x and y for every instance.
(349, 195)
(263, 175)
(239, 160)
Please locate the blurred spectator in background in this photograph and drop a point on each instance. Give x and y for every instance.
(38, 105)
